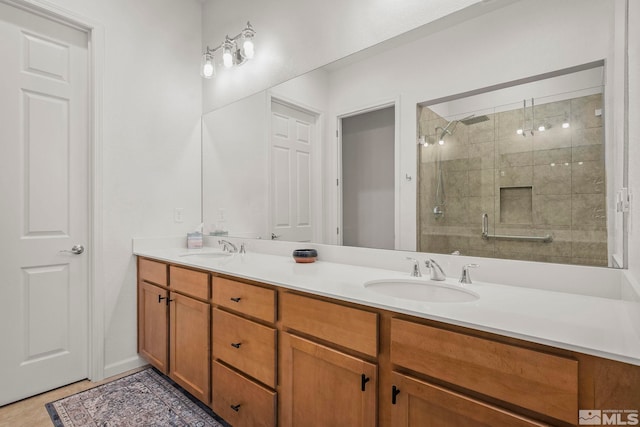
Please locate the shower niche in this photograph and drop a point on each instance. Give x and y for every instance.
(516, 173)
(516, 205)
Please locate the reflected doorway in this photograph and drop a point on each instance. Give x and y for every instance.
(368, 179)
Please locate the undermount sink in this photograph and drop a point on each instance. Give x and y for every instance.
(207, 255)
(421, 290)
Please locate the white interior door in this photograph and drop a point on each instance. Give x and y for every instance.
(43, 194)
(292, 146)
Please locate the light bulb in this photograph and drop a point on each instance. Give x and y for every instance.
(565, 125)
(541, 128)
(207, 69)
(227, 59)
(249, 51)
(441, 142)
(247, 46)
(519, 131)
(227, 55)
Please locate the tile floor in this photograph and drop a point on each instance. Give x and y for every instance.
(32, 413)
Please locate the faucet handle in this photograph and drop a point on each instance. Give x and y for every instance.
(415, 272)
(466, 276)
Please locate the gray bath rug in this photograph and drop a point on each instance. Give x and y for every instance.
(146, 398)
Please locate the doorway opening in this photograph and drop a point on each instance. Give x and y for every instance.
(367, 169)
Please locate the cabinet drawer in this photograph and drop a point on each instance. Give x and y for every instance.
(247, 299)
(538, 381)
(245, 345)
(193, 283)
(420, 403)
(152, 271)
(349, 327)
(239, 401)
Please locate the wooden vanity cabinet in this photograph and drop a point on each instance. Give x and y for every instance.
(243, 336)
(174, 323)
(284, 358)
(537, 381)
(417, 403)
(189, 344)
(153, 323)
(322, 386)
(327, 379)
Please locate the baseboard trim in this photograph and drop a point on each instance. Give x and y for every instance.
(123, 366)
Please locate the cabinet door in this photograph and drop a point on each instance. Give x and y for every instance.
(420, 404)
(189, 344)
(324, 387)
(153, 325)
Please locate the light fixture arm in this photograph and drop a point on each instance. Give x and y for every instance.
(247, 32)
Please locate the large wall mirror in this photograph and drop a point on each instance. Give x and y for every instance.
(485, 138)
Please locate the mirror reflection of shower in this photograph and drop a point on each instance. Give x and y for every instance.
(441, 133)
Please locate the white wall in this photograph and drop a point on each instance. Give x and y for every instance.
(151, 143)
(235, 151)
(294, 37)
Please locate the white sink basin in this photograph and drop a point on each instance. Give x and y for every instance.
(207, 255)
(421, 290)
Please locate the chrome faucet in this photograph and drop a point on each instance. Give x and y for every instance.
(466, 276)
(227, 246)
(415, 271)
(436, 272)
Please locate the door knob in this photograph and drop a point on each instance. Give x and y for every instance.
(76, 250)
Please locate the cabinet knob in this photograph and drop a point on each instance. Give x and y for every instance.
(236, 344)
(160, 298)
(236, 407)
(235, 299)
(394, 393)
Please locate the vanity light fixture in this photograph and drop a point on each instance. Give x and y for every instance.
(235, 51)
(565, 122)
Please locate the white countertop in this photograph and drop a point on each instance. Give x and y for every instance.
(598, 326)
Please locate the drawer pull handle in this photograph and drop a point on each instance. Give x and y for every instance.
(394, 393)
(235, 299)
(236, 407)
(363, 381)
(160, 298)
(236, 344)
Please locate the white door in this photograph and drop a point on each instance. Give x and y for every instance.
(44, 204)
(292, 132)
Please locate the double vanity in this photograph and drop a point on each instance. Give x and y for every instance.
(265, 341)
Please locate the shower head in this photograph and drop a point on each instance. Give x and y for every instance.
(473, 119)
(450, 128)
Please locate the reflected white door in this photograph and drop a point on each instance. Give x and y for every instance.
(43, 195)
(292, 132)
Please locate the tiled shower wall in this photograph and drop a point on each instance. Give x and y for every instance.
(551, 182)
